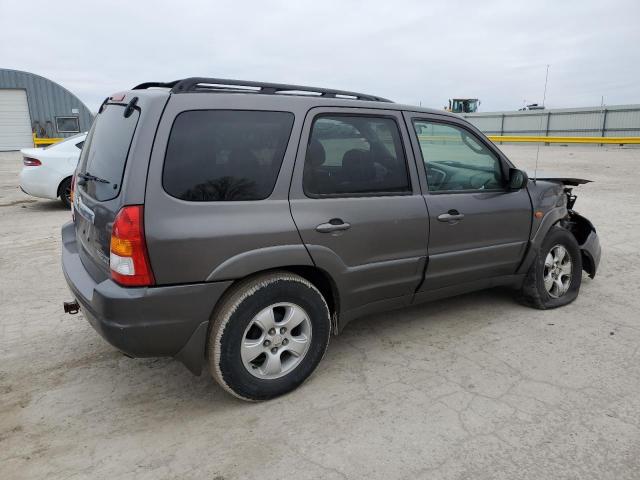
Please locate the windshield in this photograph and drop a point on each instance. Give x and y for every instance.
(464, 106)
(105, 152)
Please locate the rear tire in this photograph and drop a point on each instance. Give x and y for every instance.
(65, 192)
(554, 278)
(268, 335)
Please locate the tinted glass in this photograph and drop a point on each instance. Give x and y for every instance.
(355, 155)
(105, 151)
(454, 159)
(222, 155)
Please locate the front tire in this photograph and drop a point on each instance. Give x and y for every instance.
(268, 335)
(554, 278)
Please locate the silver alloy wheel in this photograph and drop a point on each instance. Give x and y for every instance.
(557, 271)
(276, 340)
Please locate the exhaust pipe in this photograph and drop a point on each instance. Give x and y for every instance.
(71, 307)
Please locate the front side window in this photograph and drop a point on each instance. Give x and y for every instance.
(355, 155)
(67, 124)
(454, 159)
(225, 155)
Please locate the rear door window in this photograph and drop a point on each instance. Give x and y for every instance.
(355, 156)
(225, 155)
(106, 150)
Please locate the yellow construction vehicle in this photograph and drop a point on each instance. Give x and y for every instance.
(463, 105)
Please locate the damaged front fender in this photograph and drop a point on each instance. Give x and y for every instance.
(552, 196)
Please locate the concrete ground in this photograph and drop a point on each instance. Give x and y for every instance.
(475, 387)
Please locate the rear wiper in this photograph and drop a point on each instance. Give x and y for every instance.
(87, 177)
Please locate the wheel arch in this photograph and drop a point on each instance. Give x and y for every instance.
(318, 277)
(323, 281)
(58, 190)
(582, 230)
(550, 219)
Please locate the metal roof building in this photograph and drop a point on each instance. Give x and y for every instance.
(32, 104)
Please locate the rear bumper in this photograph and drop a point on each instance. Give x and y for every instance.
(143, 322)
(38, 182)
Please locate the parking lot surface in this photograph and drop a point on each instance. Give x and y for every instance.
(471, 387)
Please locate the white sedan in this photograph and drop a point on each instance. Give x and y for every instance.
(47, 171)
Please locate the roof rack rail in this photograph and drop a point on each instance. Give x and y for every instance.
(203, 84)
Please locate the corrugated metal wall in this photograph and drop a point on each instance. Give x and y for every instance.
(47, 100)
(609, 121)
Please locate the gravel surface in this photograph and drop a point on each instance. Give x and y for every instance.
(472, 387)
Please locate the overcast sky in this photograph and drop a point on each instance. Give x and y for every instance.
(409, 51)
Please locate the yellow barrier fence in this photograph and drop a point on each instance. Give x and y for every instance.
(608, 140)
(39, 142)
(526, 138)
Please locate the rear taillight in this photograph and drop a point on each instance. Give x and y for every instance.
(31, 162)
(128, 258)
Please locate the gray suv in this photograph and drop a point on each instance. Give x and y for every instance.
(241, 224)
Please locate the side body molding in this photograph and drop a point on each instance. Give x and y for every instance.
(366, 288)
(266, 258)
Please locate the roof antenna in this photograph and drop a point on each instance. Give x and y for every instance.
(544, 99)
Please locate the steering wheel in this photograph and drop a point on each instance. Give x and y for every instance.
(478, 181)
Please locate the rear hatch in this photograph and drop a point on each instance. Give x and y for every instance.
(99, 178)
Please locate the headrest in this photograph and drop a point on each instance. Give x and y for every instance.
(315, 153)
(357, 165)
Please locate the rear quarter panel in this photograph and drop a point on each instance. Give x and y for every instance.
(211, 241)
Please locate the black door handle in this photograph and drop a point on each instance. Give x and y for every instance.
(333, 225)
(451, 216)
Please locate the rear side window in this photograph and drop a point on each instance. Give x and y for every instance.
(225, 155)
(355, 155)
(105, 151)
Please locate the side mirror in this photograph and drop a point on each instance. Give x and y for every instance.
(517, 179)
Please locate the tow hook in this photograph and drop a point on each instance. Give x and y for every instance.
(71, 307)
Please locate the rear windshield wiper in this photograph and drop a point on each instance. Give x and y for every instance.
(87, 177)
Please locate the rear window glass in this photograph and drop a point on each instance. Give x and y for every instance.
(224, 155)
(105, 152)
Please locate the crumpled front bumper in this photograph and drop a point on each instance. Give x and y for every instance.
(591, 253)
(588, 240)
